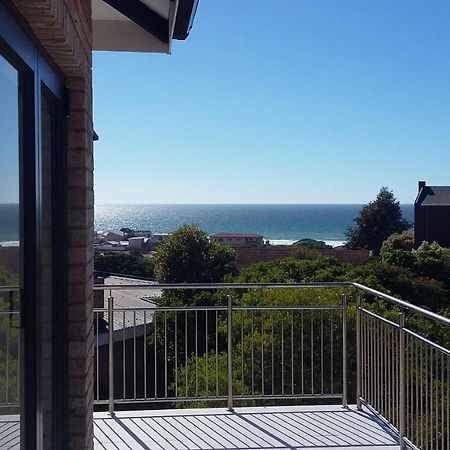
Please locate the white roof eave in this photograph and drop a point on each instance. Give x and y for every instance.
(113, 31)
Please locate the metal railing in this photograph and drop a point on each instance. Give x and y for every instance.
(218, 353)
(402, 375)
(237, 352)
(9, 349)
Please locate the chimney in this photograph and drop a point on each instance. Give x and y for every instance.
(422, 184)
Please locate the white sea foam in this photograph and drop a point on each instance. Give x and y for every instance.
(290, 242)
(9, 244)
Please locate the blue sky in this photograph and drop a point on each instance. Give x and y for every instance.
(276, 101)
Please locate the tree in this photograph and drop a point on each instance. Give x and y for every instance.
(399, 241)
(189, 256)
(124, 263)
(376, 222)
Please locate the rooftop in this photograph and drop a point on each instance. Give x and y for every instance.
(433, 196)
(237, 235)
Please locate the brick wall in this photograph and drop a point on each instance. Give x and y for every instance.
(64, 29)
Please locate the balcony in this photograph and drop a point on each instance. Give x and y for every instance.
(337, 365)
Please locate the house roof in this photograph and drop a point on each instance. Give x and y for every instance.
(433, 196)
(128, 298)
(237, 235)
(141, 25)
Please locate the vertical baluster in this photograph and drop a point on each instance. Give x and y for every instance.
(402, 406)
(253, 352)
(196, 351)
(155, 354)
(426, 417)
(176, 354)
(282, 352)
(302, 354)
(417, 371)
(165, 354)
(111, 352)
(186, 353)
(217, 355)
(230, 355)
(358, 352)
(134, 354)
(332, 351)
(124, 359)
(385, 384)
(145, 354)
(242, 352)
(292, 352)
(421, 395)
(272, 353)
(442, 402)
(96, 358)
(377, 365)
(312, 351)
(344, 351)
(206, 354)
(321, 351)
(262, 352)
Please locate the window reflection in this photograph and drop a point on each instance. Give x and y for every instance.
(9, 248)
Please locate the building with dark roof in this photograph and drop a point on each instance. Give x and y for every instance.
(432, 215)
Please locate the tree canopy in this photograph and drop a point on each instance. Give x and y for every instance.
(189, 256)
(124, 263)
(377, 220)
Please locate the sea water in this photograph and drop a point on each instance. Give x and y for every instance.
(280, 224)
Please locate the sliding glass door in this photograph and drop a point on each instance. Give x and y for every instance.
(10, 254)
(32, 277)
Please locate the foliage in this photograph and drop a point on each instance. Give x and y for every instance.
(123, 263)
(311, 243)
(189, 256)
(376, 222)
(398, 241)
(432, 261)
(9, 339)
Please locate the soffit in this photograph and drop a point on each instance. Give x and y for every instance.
(139, 25)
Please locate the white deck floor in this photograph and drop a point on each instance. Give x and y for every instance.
(271, 428)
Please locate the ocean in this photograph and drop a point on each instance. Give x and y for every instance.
(280, 224)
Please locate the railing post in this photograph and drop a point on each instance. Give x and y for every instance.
(230, 353)
(111, 353)
(358, 353)
(402, 379)
(344, 351)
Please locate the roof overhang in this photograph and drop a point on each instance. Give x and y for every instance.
(141, 25)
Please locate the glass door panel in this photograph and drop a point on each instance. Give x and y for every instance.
(10, 255)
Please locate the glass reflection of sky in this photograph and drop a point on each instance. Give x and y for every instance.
(9, 132)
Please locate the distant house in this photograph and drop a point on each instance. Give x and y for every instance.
(114, 235)
(237, 240)
(432, 215)
(112, 246)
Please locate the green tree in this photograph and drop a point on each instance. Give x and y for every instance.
(398, 241)
(123, 263)
(189, 256)
(376, 222)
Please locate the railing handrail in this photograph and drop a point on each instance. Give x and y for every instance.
(9, 288)
(403, 304)
(240, 286)
(217, 286)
